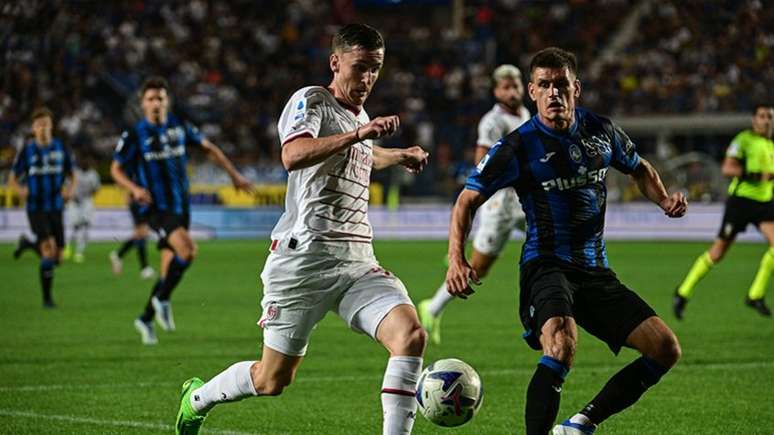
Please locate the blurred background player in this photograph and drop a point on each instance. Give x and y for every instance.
(501, 213)
(45, 168)
(750, 161)
(322, 256)
(80, 207)
(150, 162)
(137, 240)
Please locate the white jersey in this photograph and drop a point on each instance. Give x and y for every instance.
(326, 205)
(86, 184)
(497, 123)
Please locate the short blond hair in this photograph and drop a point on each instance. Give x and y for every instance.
(506, 71)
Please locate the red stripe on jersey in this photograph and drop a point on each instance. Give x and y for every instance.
(274, 244)
(398, 392)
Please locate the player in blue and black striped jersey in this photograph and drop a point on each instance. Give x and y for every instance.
(45, 168)
(150, 162)
(557, 162)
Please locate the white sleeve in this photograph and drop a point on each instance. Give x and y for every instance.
(302, 115)
(488, 133)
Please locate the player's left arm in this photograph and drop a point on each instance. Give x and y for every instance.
(414, 159)
(215, 154)
(650, 184)
(626, 160)
(68, 188)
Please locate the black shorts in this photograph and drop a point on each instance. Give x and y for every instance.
(165, 223)
(594, 297)
(47, 224)
(742, 211)
(139, 214)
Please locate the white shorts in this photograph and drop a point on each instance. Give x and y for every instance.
(79, 213)
(299, 290)
(497, 219)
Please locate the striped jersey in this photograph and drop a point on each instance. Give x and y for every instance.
(326, 206)
(155, 157)
(560, 180)
(43, 169)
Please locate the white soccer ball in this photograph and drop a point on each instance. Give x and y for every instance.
(449, 392)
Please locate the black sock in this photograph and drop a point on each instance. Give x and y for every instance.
(46, 277)
(543, 395)
(175, 273)
(126, 246)
(624, 388)
(142, 254)
(147, 314)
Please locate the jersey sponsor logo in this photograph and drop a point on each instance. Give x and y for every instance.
(596, 145)
(547, 157)
(45, 170)
(575, 153)
(167, 153)
(583, 178)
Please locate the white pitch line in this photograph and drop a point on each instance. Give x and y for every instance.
(117, 423)
(375, 376)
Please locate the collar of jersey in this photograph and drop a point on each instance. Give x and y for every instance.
(151, 125)
(46, 147)
(557, 134)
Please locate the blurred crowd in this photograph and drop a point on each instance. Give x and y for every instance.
(233, 64)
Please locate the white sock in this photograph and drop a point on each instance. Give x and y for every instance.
(80, 241)
(398, 390)
(234, 383)
(439, 301)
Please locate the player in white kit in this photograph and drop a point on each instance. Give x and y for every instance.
(80, 209)
(321, 256)
(501, 213)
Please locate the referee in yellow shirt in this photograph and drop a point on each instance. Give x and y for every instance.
(750, 161)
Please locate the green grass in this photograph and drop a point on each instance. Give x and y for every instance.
(81, 369)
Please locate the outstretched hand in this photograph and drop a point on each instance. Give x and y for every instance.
(458, 279)
(379, 127)
(675, 205)
(243, 184)
(415, 159)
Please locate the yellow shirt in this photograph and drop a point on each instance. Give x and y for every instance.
(756, 154)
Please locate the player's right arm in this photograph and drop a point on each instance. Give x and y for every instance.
(498, 169)
(733, 165)
(305, 151)
(460, 273)
(19, 169)
(124, 154)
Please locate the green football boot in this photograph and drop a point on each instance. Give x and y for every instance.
(431, 324)
(188, 420)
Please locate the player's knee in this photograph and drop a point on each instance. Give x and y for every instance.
(414, 340)
(668, 351)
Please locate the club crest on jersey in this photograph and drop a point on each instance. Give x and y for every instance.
(583, 178)
(575, 153)
(596, 145)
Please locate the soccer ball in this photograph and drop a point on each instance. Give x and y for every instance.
(449, 392)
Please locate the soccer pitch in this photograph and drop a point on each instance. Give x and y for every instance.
(81, 369)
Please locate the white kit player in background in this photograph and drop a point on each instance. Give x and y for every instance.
(80, 209)
(321, 256)
(501, 213)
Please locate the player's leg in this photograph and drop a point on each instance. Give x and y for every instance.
(144, 323)
(735, 220)
(660, 352)
(619, 317)
(48, 261)
(184, 252)
(403, 336)
(267, 377)
(24, 244)
(546, 306)
(140, 236)
(757, 292)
